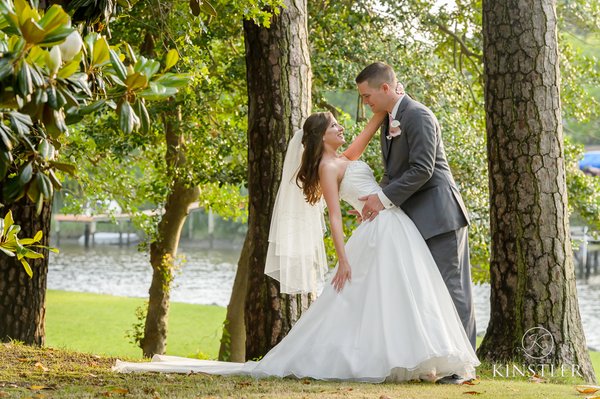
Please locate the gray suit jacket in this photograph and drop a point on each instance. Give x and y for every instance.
(417, 177)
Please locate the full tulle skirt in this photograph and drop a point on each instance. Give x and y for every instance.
(394, 320)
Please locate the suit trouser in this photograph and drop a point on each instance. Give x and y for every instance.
(451, 254)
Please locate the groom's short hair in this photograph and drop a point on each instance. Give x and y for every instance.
(376, 74)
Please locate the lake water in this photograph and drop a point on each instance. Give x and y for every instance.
(206, 277)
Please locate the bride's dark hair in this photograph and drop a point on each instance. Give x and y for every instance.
(308, 175)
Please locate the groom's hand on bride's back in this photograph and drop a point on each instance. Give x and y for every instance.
(372, 207)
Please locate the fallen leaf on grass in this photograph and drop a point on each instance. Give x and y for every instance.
(536, 379)
(37, 387)
(41, 366)
(306, 382)
(384, 397)
(592, 397)
(3, 394)
(122, 391)
(471, 382)
(472, 393)
(587, 388)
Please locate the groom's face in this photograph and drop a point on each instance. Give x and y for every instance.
(374, 97)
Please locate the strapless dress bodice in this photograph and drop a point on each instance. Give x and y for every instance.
(357, 182)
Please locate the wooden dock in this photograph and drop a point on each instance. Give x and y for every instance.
(90, 223)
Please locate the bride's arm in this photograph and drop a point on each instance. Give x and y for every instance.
(357, 147)
(329, 187)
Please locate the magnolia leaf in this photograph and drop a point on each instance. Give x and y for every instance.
(57, 36)
(32, 32)
(157, 92)
(30, 274)
(208, 9)
(7, 251)
(33, 255)
(171, 59)
(24, 82)
(33, 193)
(6, 67)
(64, 167)
(37, 55)
(8, 222)
(55, 182)
(130, 53)
(20, 123)
(38, 236)
(117, 64)
(136, 81)
(26, 174)
(69, 68)
(45, 149)
(101, 52)
(5, 137)
(128, 120)
(44, 185)
(54, 18)
(39, 205)
(174, 80)
(144, 116)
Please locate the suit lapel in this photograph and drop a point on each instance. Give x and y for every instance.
(385, 143)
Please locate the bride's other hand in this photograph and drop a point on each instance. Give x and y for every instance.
(343, 274)
(357, 214)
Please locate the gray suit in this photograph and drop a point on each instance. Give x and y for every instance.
(418, 179)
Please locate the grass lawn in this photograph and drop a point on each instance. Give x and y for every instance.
(98, 323)
(85, 334)
(29, 372)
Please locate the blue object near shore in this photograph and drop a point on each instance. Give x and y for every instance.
(590, 158)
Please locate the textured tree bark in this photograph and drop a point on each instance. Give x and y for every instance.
(279, 99)
(163, 250)
(531, 267)
(23, 299)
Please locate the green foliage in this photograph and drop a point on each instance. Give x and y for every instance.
(436, 52)
(12, 245)
(132, 168)
(51, 78)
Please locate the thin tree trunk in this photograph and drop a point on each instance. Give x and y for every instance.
(163, 250)
(279, 98)
(233, 340)
(23, 299)
(531, 267)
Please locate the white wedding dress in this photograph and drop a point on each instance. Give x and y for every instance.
(393, 321)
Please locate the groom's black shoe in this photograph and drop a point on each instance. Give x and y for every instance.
(453, 379)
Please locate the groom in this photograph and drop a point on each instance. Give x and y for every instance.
(418, 179)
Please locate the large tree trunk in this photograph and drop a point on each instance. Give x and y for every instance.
(23, 299)
(163, 250)
(532, 274)
(279, 99)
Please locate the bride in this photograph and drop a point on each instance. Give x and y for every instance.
(386, 314)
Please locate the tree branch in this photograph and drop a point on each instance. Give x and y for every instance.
(466, 51)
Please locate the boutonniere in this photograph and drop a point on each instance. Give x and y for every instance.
(394, 129)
